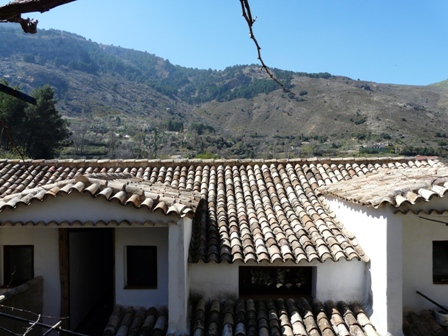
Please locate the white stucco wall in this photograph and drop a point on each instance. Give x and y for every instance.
(46, 260)
(212, 280)
(379, 232)
(149, 237)
(340, 280)
(82, 207)
(418, 235)
(178, 279)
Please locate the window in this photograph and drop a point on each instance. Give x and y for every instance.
(141, 267)
(272, 282)
(18, 264)
(440, 262)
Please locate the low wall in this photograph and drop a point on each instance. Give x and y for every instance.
(27, 297)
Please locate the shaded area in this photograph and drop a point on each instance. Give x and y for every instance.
(96, 320)
(422, 324)
(132, 321)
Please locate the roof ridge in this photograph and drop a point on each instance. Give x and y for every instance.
(204, 162)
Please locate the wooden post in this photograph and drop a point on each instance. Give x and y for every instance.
(64, 276)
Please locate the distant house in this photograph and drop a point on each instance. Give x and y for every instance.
(164, 233)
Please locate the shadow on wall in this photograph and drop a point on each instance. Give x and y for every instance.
(368, 294)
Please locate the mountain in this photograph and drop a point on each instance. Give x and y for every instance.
(126, 103)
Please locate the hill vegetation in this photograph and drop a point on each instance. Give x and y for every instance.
(130, 104)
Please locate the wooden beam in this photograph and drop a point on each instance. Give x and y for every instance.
(18, 94)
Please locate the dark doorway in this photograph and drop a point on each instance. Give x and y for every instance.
(91, 278)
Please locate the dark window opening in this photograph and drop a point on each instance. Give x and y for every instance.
(18, 264)
(440, 262)
(275, 282)
(141, 267)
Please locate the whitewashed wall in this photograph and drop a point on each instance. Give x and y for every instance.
(46, 260)
(379, 232)
(418, 235)
(82, 207)
(340, 280)
(212, 280)
(179, 236)
(142, 236)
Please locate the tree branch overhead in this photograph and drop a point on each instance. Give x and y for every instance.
(12, 11)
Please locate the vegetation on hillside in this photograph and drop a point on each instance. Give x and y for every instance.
(38, 131)
(124, 103)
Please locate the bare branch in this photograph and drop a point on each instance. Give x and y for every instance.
(245, 7)
(47, 326)
(12, 11)
(30, 328)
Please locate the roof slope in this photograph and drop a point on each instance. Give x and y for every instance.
(249, 210)
(391, 186)
(250, 317)
(122, 188)
(280, 317)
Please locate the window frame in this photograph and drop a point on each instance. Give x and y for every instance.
(8, 250)
(134, 269)
(440, 262)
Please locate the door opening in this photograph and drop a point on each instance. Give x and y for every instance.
(91, 277)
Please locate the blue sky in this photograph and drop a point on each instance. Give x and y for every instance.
(386, 41)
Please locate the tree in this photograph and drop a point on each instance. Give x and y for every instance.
(46, 130)
(38, 130)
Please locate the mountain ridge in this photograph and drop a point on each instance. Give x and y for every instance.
(123, 102)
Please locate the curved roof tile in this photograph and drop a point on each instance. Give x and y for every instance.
(275, 317)
(248, 210)
(393, 186)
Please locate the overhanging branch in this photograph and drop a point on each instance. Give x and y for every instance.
(12, 11)
(250, 22)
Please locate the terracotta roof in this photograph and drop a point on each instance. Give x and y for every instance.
(279, 317)
(422, 324)
(81, 224)
(392, 186)
(121, 188)
(132, 321)
(250, 210)
(249, 317)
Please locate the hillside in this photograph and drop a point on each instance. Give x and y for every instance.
(125, 103)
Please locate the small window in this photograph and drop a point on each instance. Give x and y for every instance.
(440, 262)
(141, 267)
(275, 282)
(18, 264)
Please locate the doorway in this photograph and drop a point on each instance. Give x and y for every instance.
(91, 276)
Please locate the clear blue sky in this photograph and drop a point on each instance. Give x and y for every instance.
(386, 41)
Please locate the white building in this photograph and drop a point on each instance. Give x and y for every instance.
(157, 233)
